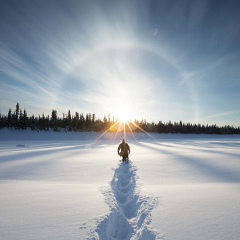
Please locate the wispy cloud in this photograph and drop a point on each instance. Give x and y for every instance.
(223, 114)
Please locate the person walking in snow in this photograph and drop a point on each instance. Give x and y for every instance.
(123, 150)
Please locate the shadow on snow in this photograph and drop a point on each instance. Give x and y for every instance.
(130, 212)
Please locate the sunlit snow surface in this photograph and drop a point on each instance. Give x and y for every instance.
(69, 186)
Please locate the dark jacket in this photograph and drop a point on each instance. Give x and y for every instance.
(124, 148)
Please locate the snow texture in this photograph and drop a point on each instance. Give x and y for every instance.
(130, 215)
(62, 186)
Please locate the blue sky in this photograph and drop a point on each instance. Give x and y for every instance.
(154, 60)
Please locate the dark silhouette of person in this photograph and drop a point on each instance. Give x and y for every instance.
(123, 150)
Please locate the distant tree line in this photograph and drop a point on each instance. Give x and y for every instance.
(88, 122)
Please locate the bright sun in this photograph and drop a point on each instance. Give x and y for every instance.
(123, 118)
(124, 115)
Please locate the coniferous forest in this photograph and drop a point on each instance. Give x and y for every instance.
(78, 122)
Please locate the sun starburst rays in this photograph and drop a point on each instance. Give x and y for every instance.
(122, 127)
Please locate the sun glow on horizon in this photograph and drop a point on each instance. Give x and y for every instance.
(123, 126)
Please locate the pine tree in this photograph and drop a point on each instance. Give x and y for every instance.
(69, 121)
(81, 122)
(54, 120)
(25, 119)
(20, 122)
(16, 115)
(9, 118)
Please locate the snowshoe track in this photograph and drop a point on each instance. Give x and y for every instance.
(130, 214)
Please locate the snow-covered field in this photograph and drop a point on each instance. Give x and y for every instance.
(70, 186)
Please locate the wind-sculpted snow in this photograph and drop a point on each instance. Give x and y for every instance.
(130, 212)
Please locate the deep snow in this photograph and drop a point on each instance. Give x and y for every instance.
(70, 186)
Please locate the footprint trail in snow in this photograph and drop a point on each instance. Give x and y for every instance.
(130, 212)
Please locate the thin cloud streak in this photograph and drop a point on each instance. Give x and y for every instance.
(236, 112)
